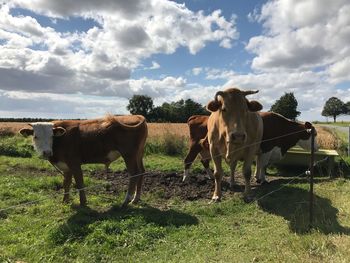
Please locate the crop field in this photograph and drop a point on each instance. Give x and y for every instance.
(174, 222)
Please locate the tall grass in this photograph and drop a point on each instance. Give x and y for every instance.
(16, 146)
(168, 144)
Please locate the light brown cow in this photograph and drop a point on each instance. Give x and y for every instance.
(234, 132)
(69, 144)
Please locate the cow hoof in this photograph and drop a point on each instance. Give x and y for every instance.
(84, 204)
(215, 199)
(248, 199)
(66, 200)
(124, 205)
(136, 201)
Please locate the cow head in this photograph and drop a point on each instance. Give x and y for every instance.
(43, 133)
(233, 108)
(305, 137)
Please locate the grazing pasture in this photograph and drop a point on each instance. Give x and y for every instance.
(174, 223)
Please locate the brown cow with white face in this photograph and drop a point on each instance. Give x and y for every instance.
(234, 132)
(69, 144)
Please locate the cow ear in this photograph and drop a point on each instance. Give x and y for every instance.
(254, 105)
(308, 125)
(213, 106)
(59, 131)
(26, 132)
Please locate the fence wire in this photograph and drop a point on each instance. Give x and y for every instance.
(145, 174)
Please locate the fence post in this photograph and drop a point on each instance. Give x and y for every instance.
(311, 204)
(349, 141)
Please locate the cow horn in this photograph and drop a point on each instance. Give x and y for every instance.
(219, 93)
(249, 92)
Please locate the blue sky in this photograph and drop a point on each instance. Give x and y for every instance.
(85, 59)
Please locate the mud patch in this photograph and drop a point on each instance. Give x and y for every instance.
(170, 185)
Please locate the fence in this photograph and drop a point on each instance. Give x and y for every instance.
(310, 173)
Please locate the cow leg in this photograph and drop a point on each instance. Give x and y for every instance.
(218, 172)
(233, 165)
(194, 150)
(261, 163)
(132, 167)
(247, 172)
(67, 181)
(79, 181)
(139, 184)
(205, 160)
(107, 167)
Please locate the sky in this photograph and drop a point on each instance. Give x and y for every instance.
(87, 58)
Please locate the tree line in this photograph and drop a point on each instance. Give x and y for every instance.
(179, 111)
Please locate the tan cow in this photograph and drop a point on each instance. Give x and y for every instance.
(234, 132)
(69, 144)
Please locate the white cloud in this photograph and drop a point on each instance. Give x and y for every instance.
(197, 71)
(155, 65)
(47, 105)
(100, 60)
(301, 34)
(157, 88)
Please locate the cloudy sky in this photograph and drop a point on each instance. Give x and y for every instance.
(85, 58)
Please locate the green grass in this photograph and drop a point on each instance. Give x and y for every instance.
(272, 229)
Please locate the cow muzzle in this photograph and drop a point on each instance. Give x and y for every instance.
(237, 137)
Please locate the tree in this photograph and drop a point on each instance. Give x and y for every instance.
(141, 104)
(178, 111)
(286, 105)
(334, 107)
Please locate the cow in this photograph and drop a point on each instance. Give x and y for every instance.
(197, 125)
(280, 134)
(274, 125)
(235, 131)
(68, 144)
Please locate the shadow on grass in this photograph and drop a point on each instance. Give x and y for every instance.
(131, 219)
(292, 203)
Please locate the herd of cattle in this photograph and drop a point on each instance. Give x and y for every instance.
(235, 130)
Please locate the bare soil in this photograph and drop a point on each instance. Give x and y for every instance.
(170, 185)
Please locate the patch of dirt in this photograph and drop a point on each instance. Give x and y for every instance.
(170, 185)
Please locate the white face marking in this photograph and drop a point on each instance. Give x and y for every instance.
(113, 155)
(42, 138)
(306, 144)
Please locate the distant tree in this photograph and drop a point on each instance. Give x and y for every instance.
(347, 108)
(141, 104)
(178, 111)
(334, 107)
(286, 105)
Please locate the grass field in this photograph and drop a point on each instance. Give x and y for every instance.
(274, 228)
